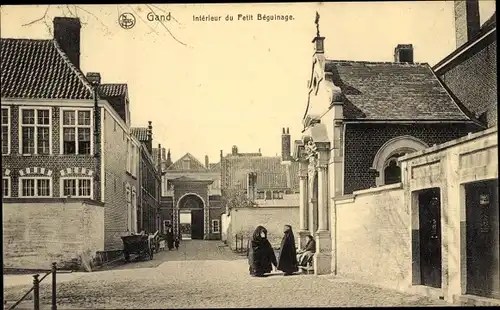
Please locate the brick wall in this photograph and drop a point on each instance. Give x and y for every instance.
(373, 237)
(245, 220)
(215, 212)
(150, 183)
(37, 234)
(115, 161)
(474, 82)
(55, 162)
(362, 141)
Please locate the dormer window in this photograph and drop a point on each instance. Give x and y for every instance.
(186, 164)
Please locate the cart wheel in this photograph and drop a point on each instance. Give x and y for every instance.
(127, 257)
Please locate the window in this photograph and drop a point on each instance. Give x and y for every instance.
(35, 187)
(260, 195)
(129, 155)
(186, 164)
(129, 208)
(268, 195)
(134, 210)
(35, 131)
(392, 172)
(76, 131)
(133, 159)
(276, 195)
(280, 195)
(5, 187)
(76, 187)
(215, 226)
(5, 131)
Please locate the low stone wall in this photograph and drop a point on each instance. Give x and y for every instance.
(245, 220)
(373, 236)
(37, 233)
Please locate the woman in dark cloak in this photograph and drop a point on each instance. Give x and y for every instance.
(170, 238)
(288, 253)
(261, 256)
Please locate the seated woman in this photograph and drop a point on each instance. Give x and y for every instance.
(304, 255)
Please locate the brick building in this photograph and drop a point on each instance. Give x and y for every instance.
(63, 151)
(276, 176)
(470, 71)
(191, 196)
(148, 211)
(360, 117)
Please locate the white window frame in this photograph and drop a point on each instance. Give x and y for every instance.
(9, 128)
(218, 227)
(76, 126)
(134, 209)
(133, 156)
(9, 187)
(129, 155)
(61, 186)
(36, 126)
(20, 192)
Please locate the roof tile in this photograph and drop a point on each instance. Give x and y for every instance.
(392, 91)
(39, 69)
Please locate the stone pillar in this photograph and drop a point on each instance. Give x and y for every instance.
(312, 211)
(303, 209)
(323, 257)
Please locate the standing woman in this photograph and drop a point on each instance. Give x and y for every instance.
(288, 253)
(170, 238)
(261, 256)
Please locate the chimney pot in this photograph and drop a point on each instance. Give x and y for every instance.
(234, 150)
(403, 53)
(207, 164)
(94, 78)
(67, 35)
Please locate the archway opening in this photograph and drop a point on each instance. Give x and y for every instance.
(191, 217)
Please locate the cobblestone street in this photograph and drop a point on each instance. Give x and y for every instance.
(202, 275)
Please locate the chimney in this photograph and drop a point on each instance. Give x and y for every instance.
(163, 154)
(252, 186)
(221, 155)
(285, 145)
(67, 35)
(467, 22)
(150, 137)
(169, 159)
(403, 53)
(234, 151)
(159, 158)
(206, 162)
(94, 78)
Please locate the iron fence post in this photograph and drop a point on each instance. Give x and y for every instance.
(36, 292)
(54, 286)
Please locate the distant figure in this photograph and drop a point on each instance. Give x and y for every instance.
(287, 261)
(176, 243)
(261, 256)
(303, 256)
(170, 238)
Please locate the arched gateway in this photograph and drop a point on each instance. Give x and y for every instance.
(190, 209)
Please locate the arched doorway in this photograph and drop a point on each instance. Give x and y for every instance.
(191, 218)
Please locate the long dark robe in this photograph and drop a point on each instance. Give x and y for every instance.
(260, 253)
(287, 261)
(170, 238)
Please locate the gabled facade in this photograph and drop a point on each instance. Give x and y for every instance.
(63, 152)
(192, 190)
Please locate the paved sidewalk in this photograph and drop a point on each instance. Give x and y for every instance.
(193, 282)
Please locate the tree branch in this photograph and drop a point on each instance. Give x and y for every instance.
(40, 19)
(161, 22)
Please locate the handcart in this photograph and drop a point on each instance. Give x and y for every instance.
(139, 245)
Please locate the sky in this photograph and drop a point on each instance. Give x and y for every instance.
(210, 85)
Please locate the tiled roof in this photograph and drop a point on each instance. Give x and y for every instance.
(392, 91)
(141, 133)
(271, 174)
(194, 165)
(113, 90)
(214, 167)
(39, 69)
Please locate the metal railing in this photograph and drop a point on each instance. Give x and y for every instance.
(36, 290)
(241, 246)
